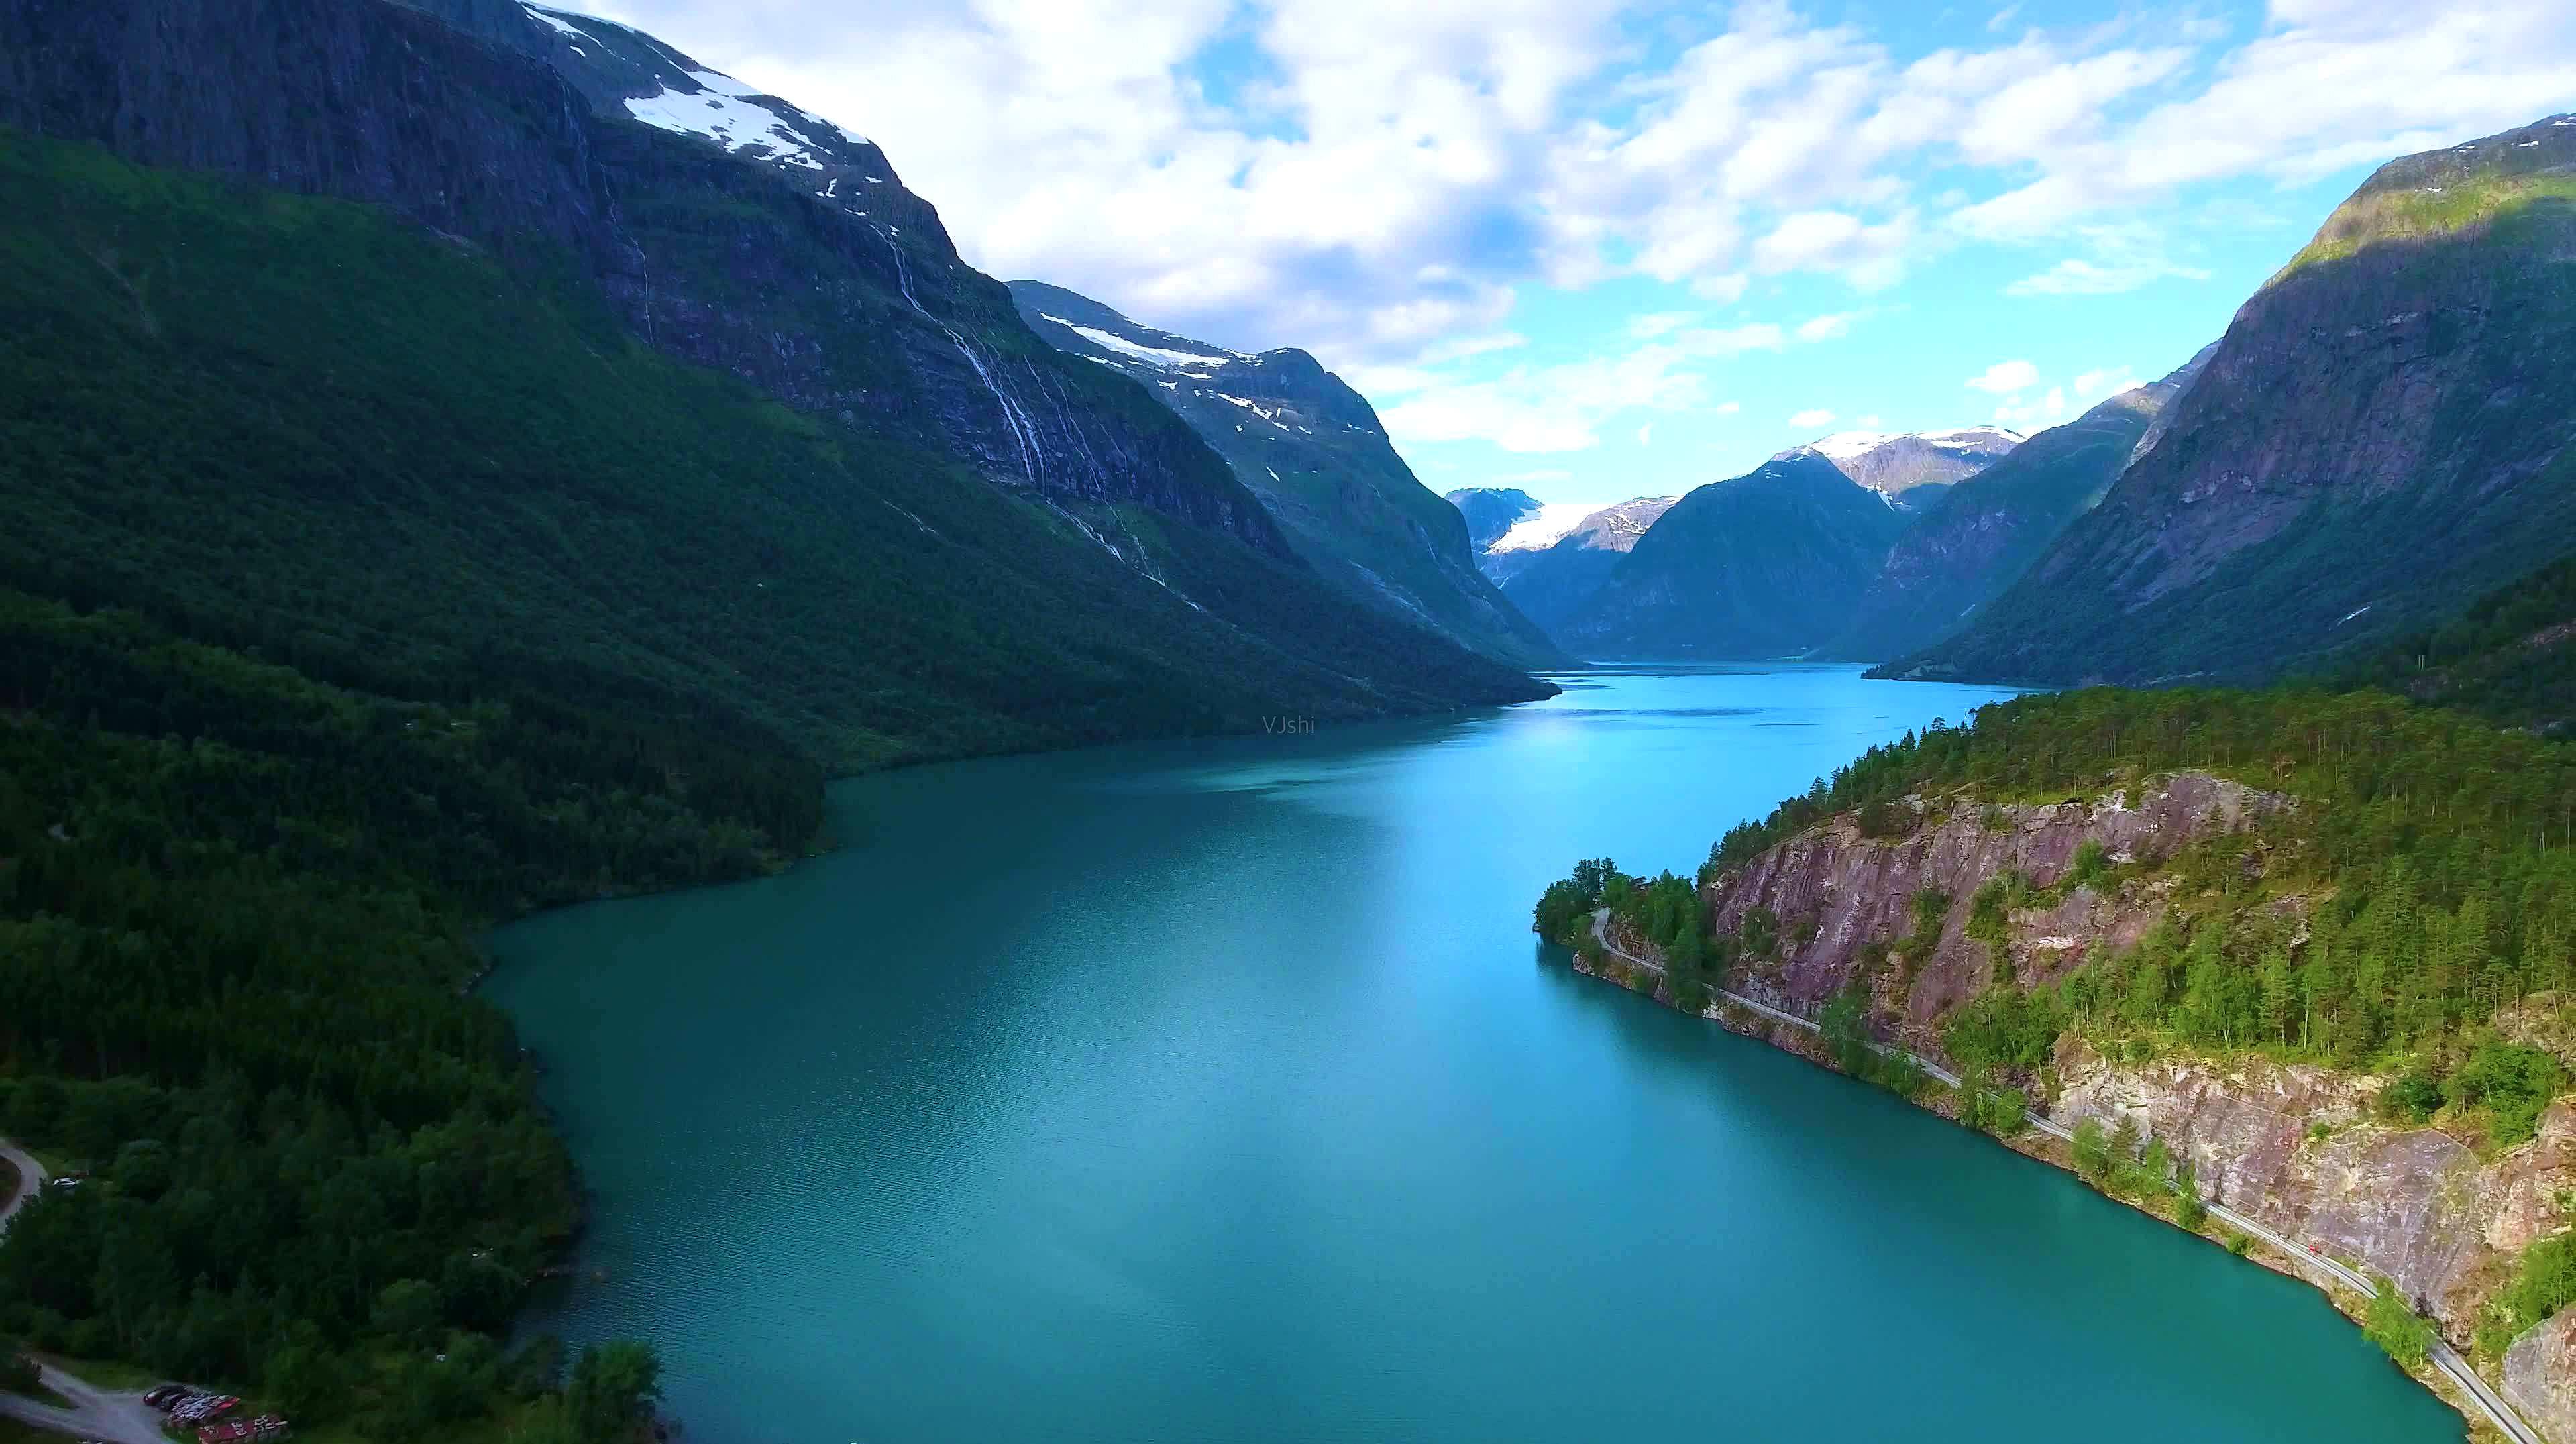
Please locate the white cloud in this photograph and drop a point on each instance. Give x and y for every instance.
(2090, 384)
(2124, 258)
(1809, 420)
(1655, 323)
(1646, 434)
(1827, 328)
(1375, 183)
(1562, 407)
(1542, 474)
(2033, 414)
(2005, 376)
(1729, 408)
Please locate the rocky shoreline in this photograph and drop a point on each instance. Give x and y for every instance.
(2295, 1148)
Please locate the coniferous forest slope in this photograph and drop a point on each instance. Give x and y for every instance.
(423, 498)
(2511, 657)
(2312, 953)
(2388, 427)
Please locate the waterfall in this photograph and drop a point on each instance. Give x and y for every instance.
(1024, 432)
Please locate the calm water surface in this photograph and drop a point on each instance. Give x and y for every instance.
(1218, 1092)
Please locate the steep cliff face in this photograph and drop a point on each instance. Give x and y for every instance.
(1835, 891)
(1980, 537)
(1313, 451)
(800, 265)
(1765, 565)
(2540, 1376)
(2298, 1149)
(2304, 1149)
(2384, 433)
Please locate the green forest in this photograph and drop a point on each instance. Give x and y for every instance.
(357, 592)
(2417, 898)
(2511, 656)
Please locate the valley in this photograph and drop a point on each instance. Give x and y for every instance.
(636, 799)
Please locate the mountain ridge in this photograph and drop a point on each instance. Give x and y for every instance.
(1763, 565)
(1980, 536)
(1313, 451)
(2385, 430)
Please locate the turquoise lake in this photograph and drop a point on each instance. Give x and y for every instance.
(1219, 1091)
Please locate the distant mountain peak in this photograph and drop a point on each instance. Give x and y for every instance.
(1893, 463)
(1545, 527)
(1312, 450)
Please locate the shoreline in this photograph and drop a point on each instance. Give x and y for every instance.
(2481, 1408)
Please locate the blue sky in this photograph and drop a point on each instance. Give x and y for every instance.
(1600, 249)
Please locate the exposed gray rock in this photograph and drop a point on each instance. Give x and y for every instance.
(1835, 890)
(2540, 1376)
(2296, 1148)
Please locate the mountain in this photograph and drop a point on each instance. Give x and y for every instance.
(1985, 532)
(429, 492)
(1312, 450)
(1767, 564)
(1491, 511)
(1551, 584)
(959, 538)
(1916, 466)
(2384, 432)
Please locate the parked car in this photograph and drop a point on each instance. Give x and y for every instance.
(165, 1396)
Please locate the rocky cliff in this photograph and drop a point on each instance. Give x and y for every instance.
(2303, 1149)
(2540, 1376)
(1313, 451)
(1835, 891)
(2383, 435)
(2300, 1150)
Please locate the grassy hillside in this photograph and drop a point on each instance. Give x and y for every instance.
(356, 590)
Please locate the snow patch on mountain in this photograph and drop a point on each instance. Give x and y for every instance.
(728, 120)
(1544, 529)
(1154, 356)
(1852, 445)
(548, 17)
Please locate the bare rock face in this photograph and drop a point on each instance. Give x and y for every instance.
(2295, 1148)
(1834, 890)
(2540, 1376)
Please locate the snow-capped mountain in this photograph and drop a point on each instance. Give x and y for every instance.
(1550, 584)
(1912, 465)
(1543, 528)
(1312, 450)
(1490, 511)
